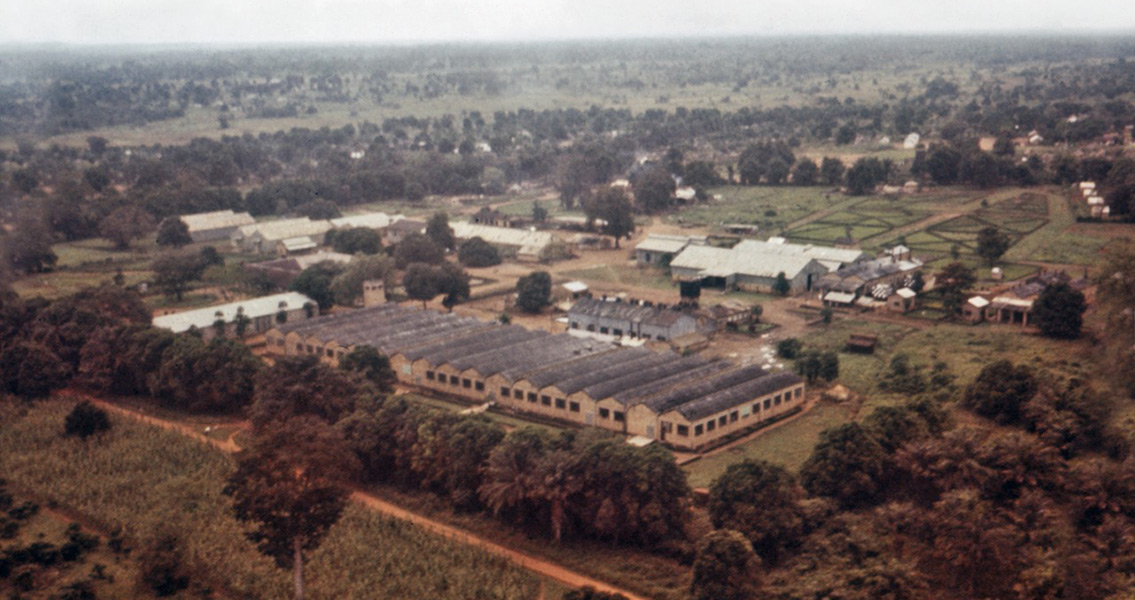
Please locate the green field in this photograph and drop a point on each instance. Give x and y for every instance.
(771, 208)
(140, 477)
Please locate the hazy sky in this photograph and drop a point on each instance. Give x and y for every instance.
(384, 21)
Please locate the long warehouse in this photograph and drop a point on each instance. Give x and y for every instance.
(686, 402)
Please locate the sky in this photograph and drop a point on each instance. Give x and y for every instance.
(407, 21)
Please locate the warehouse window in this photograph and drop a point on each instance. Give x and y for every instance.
(430, 375)
(620, 417)
(683, 430)
(531, 397)
(573, 406)
(799, 392)
(454, 380)
(465, 383)
(518, 394)
(505, 393)
(768, 404)
(732, 416)
(710, 425)
(604, 413)
(723, 421)
(561, 403)
(546, 400)
(697, 430)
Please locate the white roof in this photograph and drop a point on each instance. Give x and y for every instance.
(528, 241)
(978, 302)
(372, 220)
(906, 293)
(286, 228)
(663, 243)
(911, 141)
(298, 243)
(820, 253)
(723, 262)
(218, 219)
(575, 287)
(253, 308)
(685, 193)
(1087, 185)
(840, 297)
(306, 260)
(1011, 301)
(1095, 200)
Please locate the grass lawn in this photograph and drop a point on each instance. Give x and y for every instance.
(506, 420)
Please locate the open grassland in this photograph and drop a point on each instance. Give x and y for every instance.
(138, 477)
(873, 217)
(624, 274)
(506, 420)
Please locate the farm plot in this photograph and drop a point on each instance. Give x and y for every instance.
(866, 219)
(770, 208)
(1016, 217)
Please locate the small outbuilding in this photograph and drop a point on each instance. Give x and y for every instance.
(902, 300)
(974, 309)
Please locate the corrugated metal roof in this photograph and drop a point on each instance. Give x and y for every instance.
(284, 229)
(218, 219)
(664, 243)
(725, 399)
(722, 262)
(371, 220)
(298, 243)
(821, 253)
(253, 308)
(532, 241)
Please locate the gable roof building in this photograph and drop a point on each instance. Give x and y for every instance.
(657, 248)
(216, 225)
(523, 244)
(371, 220)
(262, 314)
(261, 238)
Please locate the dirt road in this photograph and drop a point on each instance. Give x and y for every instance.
(526, 561)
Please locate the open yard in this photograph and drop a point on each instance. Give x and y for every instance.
(770, 208)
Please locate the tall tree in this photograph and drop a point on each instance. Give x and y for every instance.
(174, 274)
(304, 386)
(125, 225)
(534, 291)
(725, 568)
(846, 465)
(172, 231)
(476, 252)
(1059, 311)
(417, 248)
(372, 365)
(1001, 390)
(831, 170)
(614, 208)
(315, 282)
(654, 191)
(761, 501)
(421, 282)
(992, 243)
(289, 486)
(438, 230)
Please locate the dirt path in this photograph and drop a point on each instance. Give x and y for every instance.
(531, 563)
(914, 227)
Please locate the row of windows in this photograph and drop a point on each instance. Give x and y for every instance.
(614, 331)
(559, 403)
(454, 380)
(734, 416)
(309, 349)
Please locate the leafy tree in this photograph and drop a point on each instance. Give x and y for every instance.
(320, 208)
(612, 206)
(654, 191)
(725, 568)
(762, 502)
(438, 230)
(509, 473)
(421, 282)
(805, 172)
(205, 377)
(1121, 200)
(1003, 146)
(845, 134)
(943, 164)
(1000, 390)
(175, 273)
(172, 231)
(28, 246)
(539, 213)
(1059, 311)
(476, 252)
(700, 173)
(954, 279)
(125, 225)
(32, 370)
(991, 243)
(86, 420)
(865, 174)
(417, 248)
(356, 240)
(781, 286)
(372, 365)
(315, 282)
(788, 348)
(829, 366)
(831, 170)
(288, 486)
(534, 291)
(453, 282)
(980, 169)
(305, 387)
(846, 465)
(754, 162)
(162, 564)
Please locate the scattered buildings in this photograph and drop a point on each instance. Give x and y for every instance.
(1016, 305)
(216, 225)
(877, 278)
(687, 402)
(282, 271)
(262, 314)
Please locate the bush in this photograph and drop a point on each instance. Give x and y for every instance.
(161, 563)
(789, 348)
(86, 420)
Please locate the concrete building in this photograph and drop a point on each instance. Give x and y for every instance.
(284, 270)
(635, 319)
(520, 244)
(260, 315)
(753, 265)
(216, 225)
(576, 380)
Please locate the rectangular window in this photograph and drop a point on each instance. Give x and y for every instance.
(604, 413)
(697, 430)
(603, 330)
(776, 401)
(330, 353)
(561, 403)
(723, 421)
(732, 416)
(531, 396)
(454, 380)
(684, 430)
(280, 342)
(299, 347)
(667, 427)
(573, 406)
(617, 332)
(710, 425)
(662, 338)
(757, 408)
(310, 349)
(574, 325)
(546, 400)
(505, 392)
(768, 404)
(430, 375)
(799, 392)
(465, 383)
(518, 394)
(620, 417)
